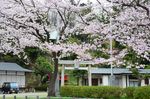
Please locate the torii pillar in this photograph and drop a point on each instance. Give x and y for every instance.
(62, 75)
(89, 76)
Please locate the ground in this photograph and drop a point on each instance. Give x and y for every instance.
(41, 95)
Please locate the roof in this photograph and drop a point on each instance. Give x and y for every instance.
(12, 67)
(117, 71)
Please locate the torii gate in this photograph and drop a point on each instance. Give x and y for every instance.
(76, 64)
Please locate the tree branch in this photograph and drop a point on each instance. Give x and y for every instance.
(145, 8)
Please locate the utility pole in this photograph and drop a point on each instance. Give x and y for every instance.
(112, 77)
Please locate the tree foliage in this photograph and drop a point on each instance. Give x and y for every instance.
(43, 65)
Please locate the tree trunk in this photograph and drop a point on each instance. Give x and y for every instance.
(53, 77)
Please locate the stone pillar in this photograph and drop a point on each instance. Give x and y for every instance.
(62, 75)
(105, 80)
(89, 76)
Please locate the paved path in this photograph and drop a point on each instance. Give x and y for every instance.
(33, 94)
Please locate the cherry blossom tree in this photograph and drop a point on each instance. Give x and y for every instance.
(133, 23)
(125, 21)
(32, 23)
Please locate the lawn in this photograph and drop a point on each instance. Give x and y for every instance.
(42, 95)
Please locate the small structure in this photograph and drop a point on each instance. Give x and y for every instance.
(102, 76)
(76, 64)
(12, 72)
(123, 77)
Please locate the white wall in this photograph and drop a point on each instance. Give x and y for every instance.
(105, 80)
(18, 77)
(118, 80)
(124, 81)
(143, 83)
(2, 72)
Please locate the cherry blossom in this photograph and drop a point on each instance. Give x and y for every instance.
(32, 22)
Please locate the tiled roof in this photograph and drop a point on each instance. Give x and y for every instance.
(12, 67)
(117, 71)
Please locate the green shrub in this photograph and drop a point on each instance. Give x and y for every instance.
(142, 92)
(105, 92)
(129, 91)
(41, 88)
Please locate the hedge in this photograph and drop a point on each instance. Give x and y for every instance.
(105, 92)
(128, 92)
(41, 88)
(142, 92)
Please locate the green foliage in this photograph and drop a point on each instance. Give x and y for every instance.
(131, 57)
(116, 10)
(79, 73)
(129, 91)
(78, 38)
(43, 65)
(85, 11)
(72, 56)
(32, 53)
(12, 58)
(106, 45)
(74, 40)
(118, 45)
(9, 58)
(103, 18)
(97, 53)
(142, 93)
(41, 88)
(135, 72)
(105, 92)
